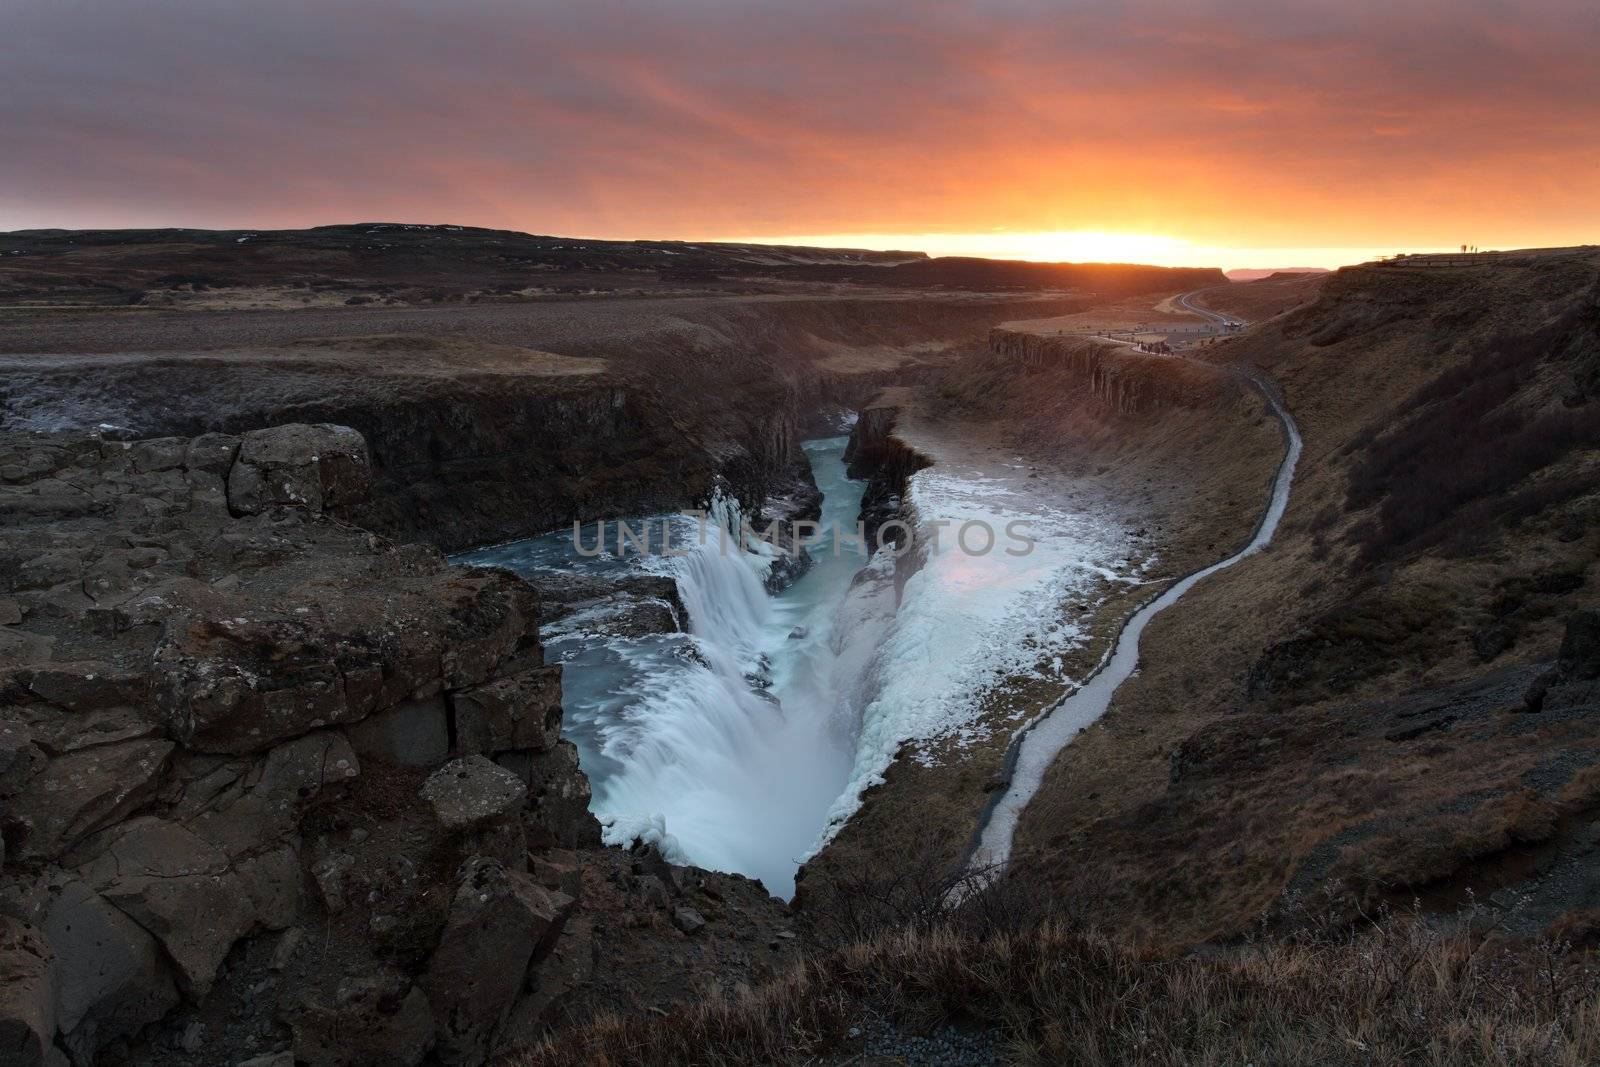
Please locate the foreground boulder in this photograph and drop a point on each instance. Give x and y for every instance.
(111, 978)
(1573, 684)
(470, 793)
(178, 887)
(499, 921)
(373, 1019)
(27, 995)
(319, 467)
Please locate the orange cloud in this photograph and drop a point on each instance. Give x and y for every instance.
(1223, 124)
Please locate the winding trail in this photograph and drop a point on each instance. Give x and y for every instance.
(1206, 313)
(1037, 744)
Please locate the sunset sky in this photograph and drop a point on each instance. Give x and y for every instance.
(1230, 133)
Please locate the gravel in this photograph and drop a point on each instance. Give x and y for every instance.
(945, 1047)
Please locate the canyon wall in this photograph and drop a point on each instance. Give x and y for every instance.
(475, 435)
(1180, 455)
(271, 786)
(1121, 378)
(479, 462)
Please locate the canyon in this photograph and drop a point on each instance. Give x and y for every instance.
(320, 743)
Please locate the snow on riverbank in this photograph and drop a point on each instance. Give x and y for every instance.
(967, 622)
(1054, 730)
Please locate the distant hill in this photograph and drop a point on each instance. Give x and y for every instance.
(1262, 298)
(962, 272)
(1252, 274)
(404, 263)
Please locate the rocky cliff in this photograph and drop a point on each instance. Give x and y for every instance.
(624, 408)
(273, 788)
(1121, 378)
(887, 463)
(476, 462)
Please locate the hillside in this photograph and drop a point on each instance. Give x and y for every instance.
(396, 264)
(1358, 714)
(1250, 274)
(958, 272)
(1346, 812)
(1258, 299)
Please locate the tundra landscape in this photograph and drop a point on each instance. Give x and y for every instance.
(438, 643)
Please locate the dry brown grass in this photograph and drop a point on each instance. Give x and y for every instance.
(1400, 993)
(1263, 298)
(1175, 860)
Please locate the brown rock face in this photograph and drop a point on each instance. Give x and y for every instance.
(467, 794)
(1122, 379)
(372, 1019)
(239, 679)
(27, 994)
(319, 468)
(111, 978)
(522, 711)
(499, 921)
(77, 793)
(177, 886)
(268, 783)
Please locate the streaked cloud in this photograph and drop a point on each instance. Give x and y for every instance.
(1221, 123)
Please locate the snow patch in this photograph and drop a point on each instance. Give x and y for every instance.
(969, 622)
(625, 831)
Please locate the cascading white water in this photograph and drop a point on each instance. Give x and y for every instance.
(726, 746)
(745, 743)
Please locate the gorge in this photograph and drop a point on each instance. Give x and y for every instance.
(723, 743)
(302, 632)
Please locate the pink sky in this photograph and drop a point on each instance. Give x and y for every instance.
(1240, 132)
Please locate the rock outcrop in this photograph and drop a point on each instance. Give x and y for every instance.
(887, 463)
(271, 787)
(1121, 378)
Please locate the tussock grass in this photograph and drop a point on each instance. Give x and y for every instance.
(1400, 993)
(1472, 437)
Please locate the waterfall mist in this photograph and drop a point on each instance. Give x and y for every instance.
(725, 746)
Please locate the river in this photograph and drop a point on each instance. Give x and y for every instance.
(744, 743)
(1038, 744)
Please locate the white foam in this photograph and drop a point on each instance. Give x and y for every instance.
(967, 622)
(737, 773)
(624, 830)
(1054, 730)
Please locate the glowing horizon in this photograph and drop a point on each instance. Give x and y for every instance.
(1088, 246)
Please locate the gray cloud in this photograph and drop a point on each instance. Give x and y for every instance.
(703, 117)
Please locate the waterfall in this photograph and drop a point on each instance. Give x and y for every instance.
(725, 746)
(695, 748)
(722, 592)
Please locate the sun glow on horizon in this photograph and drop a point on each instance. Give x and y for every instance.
(1061, 246)
(1087, 246)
